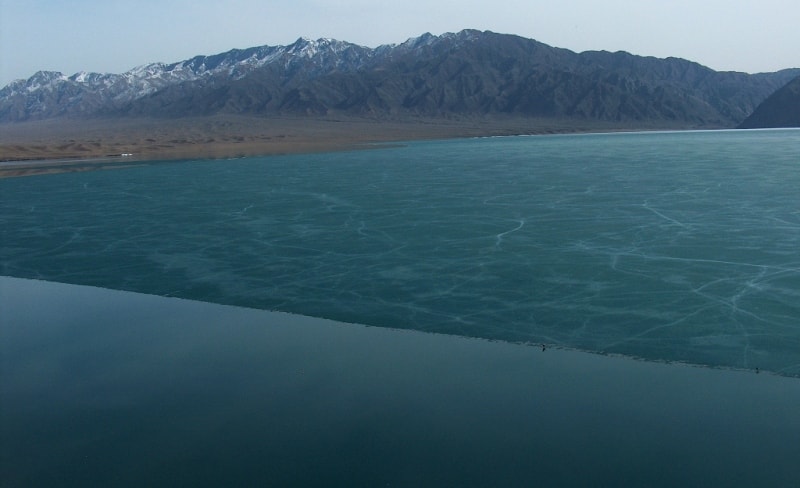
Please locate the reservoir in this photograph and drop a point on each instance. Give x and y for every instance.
(572, 310)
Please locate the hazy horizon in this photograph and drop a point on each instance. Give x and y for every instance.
(116, 36)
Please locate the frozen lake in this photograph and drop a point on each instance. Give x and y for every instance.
(665, 246)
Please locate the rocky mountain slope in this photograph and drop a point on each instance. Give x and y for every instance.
(464, 73)
(781, 109)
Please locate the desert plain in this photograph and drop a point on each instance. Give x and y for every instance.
(61, 145)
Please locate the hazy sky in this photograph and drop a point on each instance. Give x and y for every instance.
(117, 35)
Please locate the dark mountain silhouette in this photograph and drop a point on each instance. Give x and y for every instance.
(467, 73)
(781, 109)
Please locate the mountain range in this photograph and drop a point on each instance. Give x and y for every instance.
(456, 74)
(781, 109)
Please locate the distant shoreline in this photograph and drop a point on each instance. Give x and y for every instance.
(65, 145)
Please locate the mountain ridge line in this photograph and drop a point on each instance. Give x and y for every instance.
(465, 73)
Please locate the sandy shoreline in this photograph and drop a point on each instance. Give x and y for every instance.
(56, 146)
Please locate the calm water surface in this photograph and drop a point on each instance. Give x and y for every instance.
(666, 246)
(108, 388)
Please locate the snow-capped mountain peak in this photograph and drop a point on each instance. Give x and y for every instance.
(467, 71)
(306, 55)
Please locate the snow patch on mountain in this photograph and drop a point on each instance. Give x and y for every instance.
(86, 91)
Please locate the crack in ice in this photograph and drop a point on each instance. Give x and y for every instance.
(499, 237)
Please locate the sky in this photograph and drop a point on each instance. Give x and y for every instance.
(113, 36)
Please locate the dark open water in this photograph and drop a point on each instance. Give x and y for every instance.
(105, 388)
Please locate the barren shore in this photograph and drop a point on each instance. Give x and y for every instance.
(61, 145)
